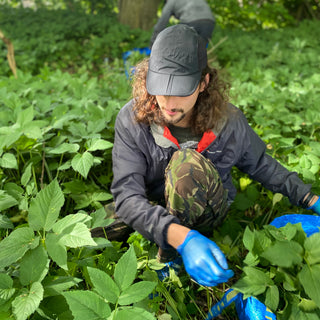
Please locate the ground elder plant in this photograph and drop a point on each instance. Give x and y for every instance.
(282, 269)
(56, 135)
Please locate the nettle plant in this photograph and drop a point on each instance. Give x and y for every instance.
(282, 269)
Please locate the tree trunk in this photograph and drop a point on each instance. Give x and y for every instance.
(138, 13)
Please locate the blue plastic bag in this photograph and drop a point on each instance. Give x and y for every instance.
(310, 224)
(251, 308)
(247, 309)
(127, 54)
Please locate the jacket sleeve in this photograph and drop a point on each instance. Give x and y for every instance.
(128, 186)
(265, 169)
(167, 12)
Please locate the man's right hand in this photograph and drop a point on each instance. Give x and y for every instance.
(203, 260)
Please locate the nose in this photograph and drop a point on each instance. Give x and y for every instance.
(170, 102)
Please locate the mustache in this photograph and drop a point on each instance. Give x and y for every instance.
(177, 110)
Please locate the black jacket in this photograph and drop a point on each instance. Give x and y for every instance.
(141, 154)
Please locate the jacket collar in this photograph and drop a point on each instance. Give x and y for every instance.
(165, 139)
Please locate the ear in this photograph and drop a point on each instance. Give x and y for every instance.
(204, 83)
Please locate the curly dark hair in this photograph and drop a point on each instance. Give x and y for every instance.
(209, 109)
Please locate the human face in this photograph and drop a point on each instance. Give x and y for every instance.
(178, 110)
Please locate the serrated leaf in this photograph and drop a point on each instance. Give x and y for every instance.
(8, 160)
(82, 163)
(272, 298)
(126, 269)
(307, 305)
(248, 238)
(27, 302)
(5, 222)
(26, 175)
(284, 254)
(104, 285)
(78, 236)
(132, 313)
(99, 218)
(312, 247)
(65, 148)
(55, 285)
(34, 266)
(310, 280)
(87, 305)
(56, 250)
(136, 292)
(70, 220)
(255, 282)
(6, 287)
(6, 201)
(98, 144)
(13, 247)
(45, 208)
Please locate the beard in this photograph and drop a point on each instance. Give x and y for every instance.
(168, 121)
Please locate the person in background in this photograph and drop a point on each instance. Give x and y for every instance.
(194, 13)
(175, 144)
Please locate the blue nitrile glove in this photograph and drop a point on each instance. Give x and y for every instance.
(315, 207)
(203, 260)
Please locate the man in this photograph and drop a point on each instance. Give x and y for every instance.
(175, 144)
(195, 13)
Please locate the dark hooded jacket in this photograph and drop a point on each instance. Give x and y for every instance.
(186, 11)
(141, 154)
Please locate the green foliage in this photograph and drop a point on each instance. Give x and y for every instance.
(282, 270)
(277, 77)
(265, 14)
(57, 126)
(56, 135)
(64, 39)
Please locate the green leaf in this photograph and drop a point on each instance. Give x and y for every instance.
(9, 161)
(5, 222)
(87, 305)
(272, 298)
(65, 148)
(56, 250)
(255, 282)
(312, 247)
(70, 220)
(310, 280)
(82, 163)
(13, 247)
(6, 287)
(248, 238)
(34, 266)
(277, 197)
(126, 269)
(284, 254)
(99, 218)
(83, 200)
(98, 144)
(27, 302)
(307, 305)
(45, 208)
(26, 175)
(104, 285)
(136, 292)
(6, 201)
(133, 313)
(77, 236)
(55, 285)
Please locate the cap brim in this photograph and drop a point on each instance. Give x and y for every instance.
(160, 84)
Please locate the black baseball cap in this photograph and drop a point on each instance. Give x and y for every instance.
(178, 57)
